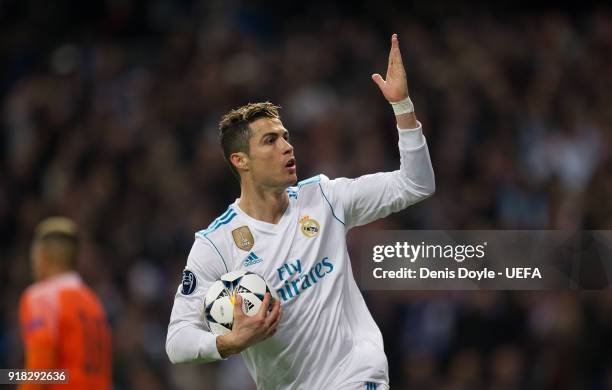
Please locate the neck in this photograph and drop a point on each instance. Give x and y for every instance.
(53, 272)
(264, 204)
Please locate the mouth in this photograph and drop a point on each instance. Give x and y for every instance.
(290, 163)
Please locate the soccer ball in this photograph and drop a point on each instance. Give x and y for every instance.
(221, 297)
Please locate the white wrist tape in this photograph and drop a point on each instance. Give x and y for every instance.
(403, 106)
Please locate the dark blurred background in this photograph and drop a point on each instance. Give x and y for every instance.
(108, 114)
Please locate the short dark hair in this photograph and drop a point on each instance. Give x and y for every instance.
(234, 130)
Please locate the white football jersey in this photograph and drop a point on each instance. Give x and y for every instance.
(327, 338)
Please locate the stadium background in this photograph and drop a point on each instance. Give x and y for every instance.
(108, 115)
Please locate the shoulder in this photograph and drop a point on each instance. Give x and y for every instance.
(83, 293)
(310, 185)
(218, 232)
(211, 245)
(50, 288)
(219, 224)
(39, 303)
(313, 181)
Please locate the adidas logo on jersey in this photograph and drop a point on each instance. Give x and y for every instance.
(251, 259)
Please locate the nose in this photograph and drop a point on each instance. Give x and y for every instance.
(287, 146)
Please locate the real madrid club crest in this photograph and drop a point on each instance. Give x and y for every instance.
(309, 227)
(243, 238)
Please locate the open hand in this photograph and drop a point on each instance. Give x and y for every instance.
(395, 85)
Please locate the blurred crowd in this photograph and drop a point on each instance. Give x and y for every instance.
(108, 114)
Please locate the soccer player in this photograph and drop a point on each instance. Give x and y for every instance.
(295, 238)
(63, 324)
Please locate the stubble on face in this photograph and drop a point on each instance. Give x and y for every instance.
(272, 162)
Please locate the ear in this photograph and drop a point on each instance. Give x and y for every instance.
(240, 160)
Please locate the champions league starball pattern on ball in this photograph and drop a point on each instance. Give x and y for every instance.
(221, 298)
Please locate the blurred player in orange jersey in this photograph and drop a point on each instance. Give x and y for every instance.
(63, 324)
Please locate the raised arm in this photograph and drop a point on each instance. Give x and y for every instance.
(377, 195)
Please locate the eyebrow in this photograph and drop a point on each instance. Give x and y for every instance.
(275, 133)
